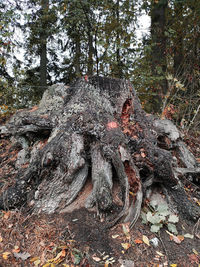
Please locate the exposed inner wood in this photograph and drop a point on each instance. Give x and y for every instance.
(92, 143)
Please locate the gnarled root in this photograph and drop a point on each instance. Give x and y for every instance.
(101, 195)
(99, 122)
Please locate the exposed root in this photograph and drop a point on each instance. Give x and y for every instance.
(99, 122)
(101, 195)
(135, 209)
(124, 185)
(196, 230)
(68, 171)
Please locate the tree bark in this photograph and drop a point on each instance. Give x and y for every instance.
(77, 56)
(178, 45)
(90, 53)
(96, 131)
(43, 46)
(159, 64)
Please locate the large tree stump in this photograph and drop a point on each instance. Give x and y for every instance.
(96, 129)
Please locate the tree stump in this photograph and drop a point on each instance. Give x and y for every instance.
(96, 130)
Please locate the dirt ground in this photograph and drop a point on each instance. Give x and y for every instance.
(79, 238)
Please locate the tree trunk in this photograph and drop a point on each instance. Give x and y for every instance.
(178, 43)
(159, 64)
(118, 42)
(90, 53)
(95, 132)
(43, 46)
(43, 65)
(77, 56)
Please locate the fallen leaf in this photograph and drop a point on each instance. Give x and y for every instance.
(16, 249)
(59, 258)
(37, 262)
(138, 241)
(105, 257)
(6, 255)
(97, 259)
(115, 236)
(126, 245)
(24, 256)
(160, 254)
(173, 265)
(145, 240)
(6, 215)
(48, 265)
(195, 252)
(176, 239)
(183, 227)
(189, 236)
(198, 202)
(181, 237)
(66, 247)
(125, 228)
(169, 233)
(34, 259)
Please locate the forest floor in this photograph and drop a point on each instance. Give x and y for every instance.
(79, 238)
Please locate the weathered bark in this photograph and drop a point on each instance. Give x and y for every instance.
(96, 129)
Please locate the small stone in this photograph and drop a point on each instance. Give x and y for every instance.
(155, 242)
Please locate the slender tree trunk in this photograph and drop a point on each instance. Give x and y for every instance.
(178, 43)
(119, 67)
(43, 66)
(88, 16)
(96, 54)
(43, 47)
(159, 64)
(90, 53)
(77, 56)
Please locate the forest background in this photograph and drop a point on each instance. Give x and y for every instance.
(63, 40)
